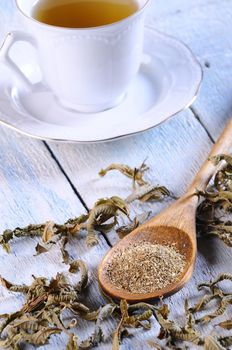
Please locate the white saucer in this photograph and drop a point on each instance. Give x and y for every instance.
(167, 83)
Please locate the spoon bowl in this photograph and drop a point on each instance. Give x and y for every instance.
(154, 233)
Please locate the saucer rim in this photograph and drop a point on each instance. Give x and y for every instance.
(61, 140)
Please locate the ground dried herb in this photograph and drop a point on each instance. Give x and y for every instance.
(144, 267)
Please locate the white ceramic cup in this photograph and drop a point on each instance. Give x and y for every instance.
(88, 69)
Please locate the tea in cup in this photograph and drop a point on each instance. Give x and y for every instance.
(88, 51)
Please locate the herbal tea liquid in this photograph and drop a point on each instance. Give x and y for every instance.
(83, 13)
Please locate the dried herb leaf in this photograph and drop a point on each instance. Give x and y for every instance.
(10, 319)
(211, 343)
(64, 252)
(40, 249)
(171, 330)
(29, 323)
(217, 203)
(220, 311)
(148, 193)
(103, 210)
(205, 300)
(11, 342)
(223, 231)
(48, 232)
(41, 337)
(72, 343)
(5, 238)
(5, 283)
(154, 345)
(131, 320)
(223, 177)
(136, 174)
(79, 265)
(226, 324)
(220, 157)
(41, 314)
(138, 220)
(117, 336)
(221, 277)
(93, 340)
(126, 229)
(103, 313)
(12, 287)
(225, 341)
(75, 225)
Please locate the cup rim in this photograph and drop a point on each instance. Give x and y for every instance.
(105, 26)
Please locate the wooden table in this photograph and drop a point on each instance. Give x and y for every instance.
(41, 181)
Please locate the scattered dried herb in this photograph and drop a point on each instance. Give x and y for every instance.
(42, 314)
(72, 343)
(46, 301)
(225, 341)
(132, 320)
(223, 176)
(220, 278)
(102, 218)
(226, 324)
(50, 233)
(217, 295)
(144, 267)
(213, 217)
(154, 345)
(211, 343)
(173, 333)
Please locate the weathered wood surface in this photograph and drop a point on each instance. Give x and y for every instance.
(206, 28)
(34, 188)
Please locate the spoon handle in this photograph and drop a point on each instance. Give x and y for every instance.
(208, 169)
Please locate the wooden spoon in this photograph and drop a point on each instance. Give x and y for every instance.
(176, 224)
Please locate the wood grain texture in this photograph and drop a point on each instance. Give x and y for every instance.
(32, 188)
(206, 29)
(167, 150)
(163, 9)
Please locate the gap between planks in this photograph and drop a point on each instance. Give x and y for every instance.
(196, 115)
(72, 186)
